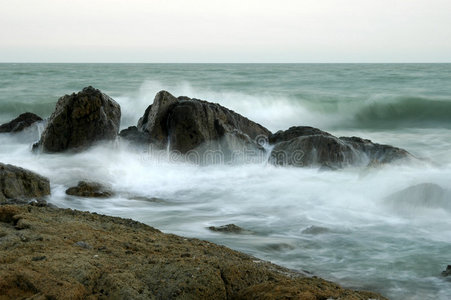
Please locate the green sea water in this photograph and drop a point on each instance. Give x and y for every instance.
(398, 249)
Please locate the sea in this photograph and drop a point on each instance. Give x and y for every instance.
(352, 226)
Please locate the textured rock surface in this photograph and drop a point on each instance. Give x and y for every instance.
(89, 189)
(154, 120)
(20, 123)
(229, 228)
(19, 185)
(63, 254)
(307, 146)
(133, 135)
(187, 124)
(376, 152)
(79, 120)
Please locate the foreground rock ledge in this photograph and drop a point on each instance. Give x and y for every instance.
(48, 253)
(21, 185)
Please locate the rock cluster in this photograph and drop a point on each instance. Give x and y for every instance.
(199, 128)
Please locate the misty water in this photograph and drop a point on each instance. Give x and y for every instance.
(345, 226)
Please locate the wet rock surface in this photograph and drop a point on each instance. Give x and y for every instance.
(66, 254)
(447, 272)
(304, 146)
(229, 228)
(80, 120)
(23, 121)
(90, 190)
(133, 135)
(187, 124)
(18, 185)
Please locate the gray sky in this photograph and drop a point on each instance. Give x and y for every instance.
(225, 31)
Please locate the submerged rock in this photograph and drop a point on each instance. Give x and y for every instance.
(80, 120)
(229, 228)
(19, 185)
(303, 146)
(67, 254)
(315, 230)
(447, 272)
(89, 190)
(423, 195)
(23, 121)
(187, 124)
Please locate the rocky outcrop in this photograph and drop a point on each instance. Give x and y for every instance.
(64, 254)
(80, 120)
(307, 146)
(187, 124)
(23, 121)
(20, 185)
(89, 190)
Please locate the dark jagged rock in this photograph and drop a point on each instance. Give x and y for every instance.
(294, 132)
(154, 120)
(133, 135)
(19, 185)
(80, 120)
(89, 190)
(67, 254)
(307, 146)
(188, 124)
(447, 272)
(381, 154)
(23, 121)
(229, 228)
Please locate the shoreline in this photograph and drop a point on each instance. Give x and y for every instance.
(69, 254)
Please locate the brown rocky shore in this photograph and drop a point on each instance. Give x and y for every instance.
(52, 253)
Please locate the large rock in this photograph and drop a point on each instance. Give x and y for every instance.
(20, 185)
(191, 124)
(23, 121)
(80, 120)
(154, 120)
(64, 254)
(307, 146)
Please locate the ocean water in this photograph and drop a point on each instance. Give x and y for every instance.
(339, 225)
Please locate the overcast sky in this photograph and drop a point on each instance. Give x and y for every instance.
(225, 31)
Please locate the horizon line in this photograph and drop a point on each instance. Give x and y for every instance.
(229, 63)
